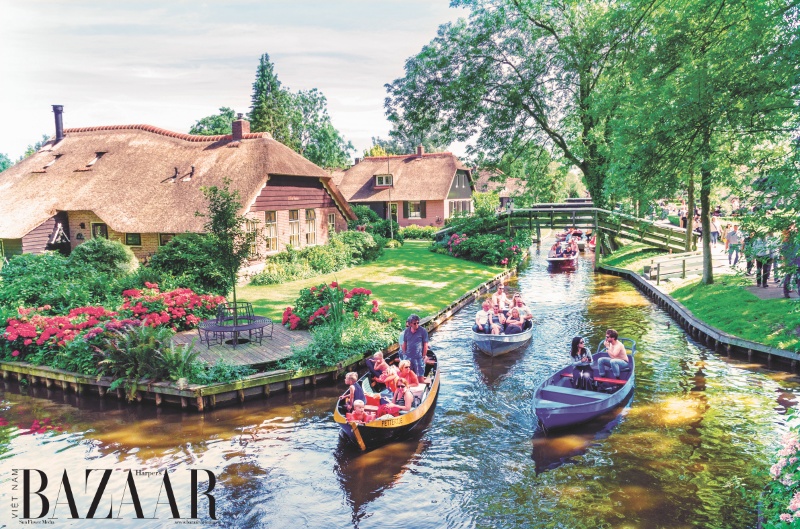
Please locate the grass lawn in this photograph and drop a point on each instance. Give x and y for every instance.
(729, 307)
(405, 280)
(633, 256)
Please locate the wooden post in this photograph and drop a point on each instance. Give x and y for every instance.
(241, 395)
(200, 403)
(158, 399)
(101, 391)
(749, 355)
(212, 401)
(683, 268)
(266, 391)
(184, 402)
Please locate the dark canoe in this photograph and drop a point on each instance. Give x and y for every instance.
(558, 404)
(500, 344)
(379, 432)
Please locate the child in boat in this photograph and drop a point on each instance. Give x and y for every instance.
(358, 414)
(355, 392)
(482, 318)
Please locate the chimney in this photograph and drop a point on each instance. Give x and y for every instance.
(357, 160)
(420, 150)
(240, 127)
(58, 110)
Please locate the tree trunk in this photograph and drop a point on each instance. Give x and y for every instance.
(705, 219)
(689, 214)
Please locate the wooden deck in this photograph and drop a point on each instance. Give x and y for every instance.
(271, 349)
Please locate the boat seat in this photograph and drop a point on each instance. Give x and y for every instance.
(370, 408)
(418, 390)
(601, 379)
(560, 392)
(544, 403)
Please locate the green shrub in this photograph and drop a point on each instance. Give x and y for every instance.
(388, 229)
(180, 361)
(364, 216)
(220, 373)
(277, 273)
(110, 257)
(187, 258)
(136, 353)
(327, 258)
(361, 245)
(488, 249)
(419, 232)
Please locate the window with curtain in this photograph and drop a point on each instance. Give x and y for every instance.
(311, 227)
(271, 230)
(294, 227)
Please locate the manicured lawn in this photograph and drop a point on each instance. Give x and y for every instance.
(633, 256)
(407, 279)
(729, 307)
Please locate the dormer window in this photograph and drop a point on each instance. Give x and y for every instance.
(51, 162)
(383, 180)
(97, 156)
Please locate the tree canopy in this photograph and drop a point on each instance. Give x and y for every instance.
(216, 124)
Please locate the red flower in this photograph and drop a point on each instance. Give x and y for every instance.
(334, 284)
(15, 353)
(355, 314)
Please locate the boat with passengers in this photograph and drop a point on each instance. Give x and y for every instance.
(559, 403)
(388, 428)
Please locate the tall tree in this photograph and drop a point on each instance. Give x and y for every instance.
(216, 124)
(33, 149)
(319, 140)
(5, 162)
(523, 71)
(272, 107)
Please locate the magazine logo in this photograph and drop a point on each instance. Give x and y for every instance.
(35, 495)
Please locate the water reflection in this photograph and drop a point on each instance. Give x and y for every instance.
(677, 455)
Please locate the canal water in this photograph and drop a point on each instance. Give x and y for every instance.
(690, 449)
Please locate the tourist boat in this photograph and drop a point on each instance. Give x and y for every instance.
(591, 243)
(562, 260)
(381, 431)
(500, 344)
(558, 404)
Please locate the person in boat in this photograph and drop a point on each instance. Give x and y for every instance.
(500, 298)
(402, 399)
(617, 356)
(582, 376)
(358, 414)
(411, 378)
(524, 312)
(376, 365)
(355, 392)
(556, 250)
(482, 318)
(400, 341)
(497, 320)
(514, 322)
(573, 247)
(415, 344)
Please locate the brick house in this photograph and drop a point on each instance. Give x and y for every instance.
(140, 185)
(422, 188)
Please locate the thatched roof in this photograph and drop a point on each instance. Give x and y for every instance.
(415, 177)
(511, 187)
(131, 186)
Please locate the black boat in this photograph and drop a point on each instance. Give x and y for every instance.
(384, 430)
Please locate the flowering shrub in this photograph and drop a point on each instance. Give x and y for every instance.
(317, 305)
(181, 309)
(488, 249)
(782, 496)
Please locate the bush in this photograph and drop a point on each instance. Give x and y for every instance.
(781, 499)
(187, 258)
(488, 249)
(106, 256)
(388, 229)
(326, 303)
(362, 247)
(419, 232)
(136, 353)
(220, 373)
(364, 216)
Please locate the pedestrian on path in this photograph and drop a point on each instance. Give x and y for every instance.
(734, 242)
(764, 250)
(714, 231)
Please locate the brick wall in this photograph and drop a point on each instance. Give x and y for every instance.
(433, 208)
(149, 240)
(284, 233)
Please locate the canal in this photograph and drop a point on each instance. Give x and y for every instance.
(686, 451)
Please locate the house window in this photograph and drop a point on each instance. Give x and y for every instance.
(383, 180)
(331, 224)
(2, 251)
(251, 226)
(294, 227)
(414, 210)
(311, 227)
(271, 230)
(133, 239)
(164, 238)
(99, 229)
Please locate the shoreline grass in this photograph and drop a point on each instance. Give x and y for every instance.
(405, 280)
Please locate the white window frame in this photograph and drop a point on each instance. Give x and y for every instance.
(331, 224)
(415, 210)
(383, 180)
(294, 228)
(271, 230)
(251, 226)
(311, 227)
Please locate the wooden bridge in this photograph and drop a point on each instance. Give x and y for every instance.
(587, 217)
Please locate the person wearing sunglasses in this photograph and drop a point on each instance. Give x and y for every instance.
(582, 376)
(402, 399)
(415, 345)
(617, 356)
(524, 312)
(411, 378)
(500, 298)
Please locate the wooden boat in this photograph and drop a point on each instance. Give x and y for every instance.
(591, 243)
(500, 344)
(558, 404)
(562, 260)
(381, 431)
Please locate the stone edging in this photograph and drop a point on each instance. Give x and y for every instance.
(199, 397)
(697, 329)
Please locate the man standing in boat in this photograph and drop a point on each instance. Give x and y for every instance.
(415, 345)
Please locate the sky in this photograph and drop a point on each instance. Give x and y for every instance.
(172, 62)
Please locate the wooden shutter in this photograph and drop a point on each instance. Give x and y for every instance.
(405, 209)
(422, 209)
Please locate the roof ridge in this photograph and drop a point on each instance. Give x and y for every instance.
(414, 155)
(169, 133)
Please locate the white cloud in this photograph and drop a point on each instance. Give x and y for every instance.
(170, 63)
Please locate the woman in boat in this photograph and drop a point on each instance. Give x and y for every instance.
(497, 320)
(402, 399)
(582, 376)
(514, 321)
(524, 312)
(354, 393)
(408, 375)
(482, 319)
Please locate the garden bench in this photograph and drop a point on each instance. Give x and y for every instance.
(234, 319)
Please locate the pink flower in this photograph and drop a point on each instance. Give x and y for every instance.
(786, 517)
(502, 240)
(355, 314)
(334, 284)
(28, 342)
(15, 353)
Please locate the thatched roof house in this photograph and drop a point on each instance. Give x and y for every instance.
(141, 185)
(421, 188)
(494, 180)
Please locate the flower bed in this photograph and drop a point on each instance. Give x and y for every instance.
(314, 306)
(781, 499)
(488, 249)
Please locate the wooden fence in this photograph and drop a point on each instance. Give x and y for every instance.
(679, 265)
